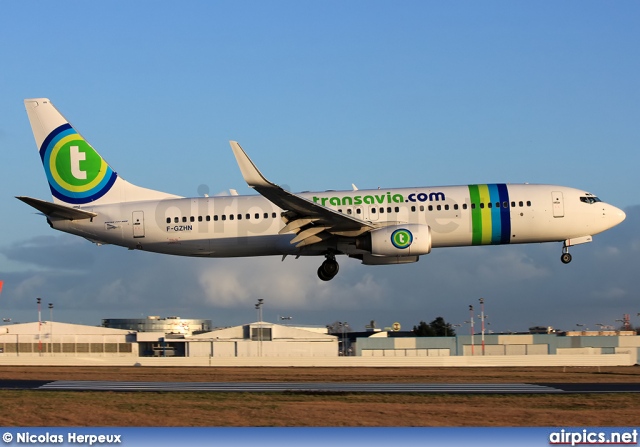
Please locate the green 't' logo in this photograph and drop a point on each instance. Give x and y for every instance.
(401, 238)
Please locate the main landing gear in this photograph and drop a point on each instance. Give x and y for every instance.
(329, 268)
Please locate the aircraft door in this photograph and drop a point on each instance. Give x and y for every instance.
(138, 224)
(557, 201)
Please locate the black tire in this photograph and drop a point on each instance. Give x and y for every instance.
(565, 258)
(322, 275)
(330, 267)
(328, 270)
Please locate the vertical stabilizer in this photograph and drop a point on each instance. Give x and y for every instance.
(76, 173)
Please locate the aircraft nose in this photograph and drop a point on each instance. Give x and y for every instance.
(621, 215)
(617, 215)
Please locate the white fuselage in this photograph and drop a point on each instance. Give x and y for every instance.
(249, 225)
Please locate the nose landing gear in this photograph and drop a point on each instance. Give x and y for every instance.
(565, 257)
(329, 268)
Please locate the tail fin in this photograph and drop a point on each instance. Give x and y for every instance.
(77, 174)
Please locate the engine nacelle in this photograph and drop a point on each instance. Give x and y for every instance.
(398, 240)
(368, 259)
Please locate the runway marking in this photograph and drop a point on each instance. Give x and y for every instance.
(308, 387)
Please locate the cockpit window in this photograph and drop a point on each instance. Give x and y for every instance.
(590, 199)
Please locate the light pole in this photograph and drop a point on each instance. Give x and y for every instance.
(482, 321)
(259, 309)
(51, 326)
(39, 301)
(472, 332)
(343, 326)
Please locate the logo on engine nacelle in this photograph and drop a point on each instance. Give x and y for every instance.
(401, 238)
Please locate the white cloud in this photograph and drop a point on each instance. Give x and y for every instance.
(292, 284)
(509, 265)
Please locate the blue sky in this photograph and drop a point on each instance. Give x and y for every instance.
(322, 95)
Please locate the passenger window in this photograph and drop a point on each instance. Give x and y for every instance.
(446, 207)
(513, 204)
(192, 219)
(168, 220)
(349, 211)
(455, 206)
(381, 210)
(208, 218)
(266, 215)
(482, 206)
(464, 206)
(184, 219)
(489, 205)
(273, 215)
(473, 206)
(413, 209)
(521, 203)
(430, 207)
(439, 207)
(239, 216)
(505, 204)
(528, 203)
(397, 209)
(421, 207)
(257, 216)
(176, 219)
(230, 216)
(358, 211)
(215, 218)
(224, 217)
(373, 210)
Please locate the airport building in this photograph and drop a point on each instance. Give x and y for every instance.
(388, 344)
(64, 339)
(263, 344)
(168, 325)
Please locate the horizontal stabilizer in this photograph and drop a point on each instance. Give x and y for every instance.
(55, 210)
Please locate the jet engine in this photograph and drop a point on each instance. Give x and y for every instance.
(397, 240)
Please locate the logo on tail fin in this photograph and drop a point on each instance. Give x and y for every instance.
(75, 171)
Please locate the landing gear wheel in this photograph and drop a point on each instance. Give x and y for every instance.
(565, 258)
(328, 269)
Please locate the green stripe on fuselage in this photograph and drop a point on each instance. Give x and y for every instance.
(476, 215)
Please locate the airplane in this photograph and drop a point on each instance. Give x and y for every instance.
(377, 227)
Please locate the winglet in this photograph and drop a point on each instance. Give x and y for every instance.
(250, 172)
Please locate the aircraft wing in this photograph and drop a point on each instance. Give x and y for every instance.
(57, 211)
(304, 217)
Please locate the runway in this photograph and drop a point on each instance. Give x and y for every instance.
(323, 387)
